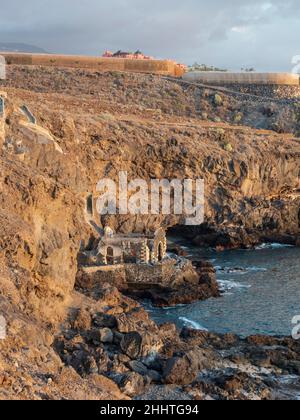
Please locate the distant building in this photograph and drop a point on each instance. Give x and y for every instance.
(138, 55)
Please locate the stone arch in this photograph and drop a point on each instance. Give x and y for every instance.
(159, 246)
(160, 252)
(110, 255)
(90, 205)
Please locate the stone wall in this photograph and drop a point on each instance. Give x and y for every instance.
(127, 275)
(143, 274)
(163, 67)
(88, 278)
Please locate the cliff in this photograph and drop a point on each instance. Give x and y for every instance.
(88, 126)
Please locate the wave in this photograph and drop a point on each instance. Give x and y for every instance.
(239, 270)
(272, 246)
(227, 285)
(194, 324)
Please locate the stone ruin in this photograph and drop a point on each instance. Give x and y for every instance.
(129, 261)
(117, 249)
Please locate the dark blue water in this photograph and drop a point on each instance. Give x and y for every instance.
(261, 293)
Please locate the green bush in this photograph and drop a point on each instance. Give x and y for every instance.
(238, 117)
(228, 147)
(218, 100)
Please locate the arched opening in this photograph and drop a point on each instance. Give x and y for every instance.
(160, 252)
(110, 256)
(89, 205)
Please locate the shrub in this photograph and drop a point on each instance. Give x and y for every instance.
(228, 147)
(238, 117)
(218, 100)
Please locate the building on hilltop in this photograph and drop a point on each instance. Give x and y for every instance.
(138, 55)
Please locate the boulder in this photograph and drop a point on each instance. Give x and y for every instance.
(179, 371)
(104, 321)
(183, 370)
(138, 367)
(132, 384)
(106, 336)
(82, 320)
(131, 344)
(154, 376)
(90, 365)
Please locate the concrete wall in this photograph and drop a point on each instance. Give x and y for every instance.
(224, 78)
(163, 67)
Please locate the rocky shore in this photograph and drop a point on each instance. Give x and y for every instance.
(193, 283)
(233, 238)
(114, 337)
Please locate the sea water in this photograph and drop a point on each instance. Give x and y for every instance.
(260, 293)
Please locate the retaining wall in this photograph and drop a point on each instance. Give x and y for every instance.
(226, 78)
(162, 67)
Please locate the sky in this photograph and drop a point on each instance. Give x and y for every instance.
(230, 34)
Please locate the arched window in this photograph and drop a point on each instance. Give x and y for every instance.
(160, 252)
(110, 256)
(89, 205)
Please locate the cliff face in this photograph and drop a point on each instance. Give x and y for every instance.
(91, 126)
(49, 169)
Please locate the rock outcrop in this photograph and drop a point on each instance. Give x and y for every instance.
(187, 285)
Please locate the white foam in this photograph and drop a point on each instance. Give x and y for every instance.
(227, 285)
(239, 270)
(272, 246)
(194, 324)
(254, 268)
(173, 308)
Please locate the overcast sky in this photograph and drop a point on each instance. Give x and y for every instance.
(231, 33)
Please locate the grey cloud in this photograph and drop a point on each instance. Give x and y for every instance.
(230, 34)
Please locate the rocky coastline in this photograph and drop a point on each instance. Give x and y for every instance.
(115, 338)
(234, 238)
(118, 339)
(203, 286)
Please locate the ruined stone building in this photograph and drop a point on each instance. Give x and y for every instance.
(133, 259)
(115, 249)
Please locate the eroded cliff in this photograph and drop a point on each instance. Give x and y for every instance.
(91, 126)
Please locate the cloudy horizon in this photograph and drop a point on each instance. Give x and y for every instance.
(231, 34)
